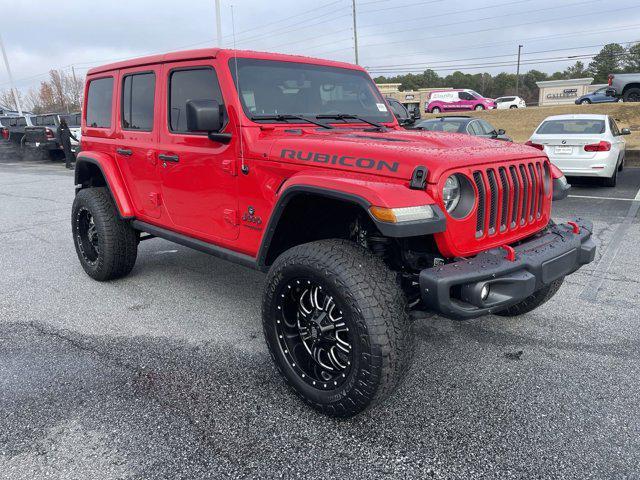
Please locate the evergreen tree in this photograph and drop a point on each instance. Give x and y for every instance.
(609, 60)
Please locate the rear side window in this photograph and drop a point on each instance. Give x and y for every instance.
(192, 84)
(21, 122)
(99, 101)
(138, 93)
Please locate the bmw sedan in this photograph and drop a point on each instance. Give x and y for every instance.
(463, 124)
(583, 145)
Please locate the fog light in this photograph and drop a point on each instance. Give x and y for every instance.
(484, 293)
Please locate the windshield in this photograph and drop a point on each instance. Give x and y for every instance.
(270, 87)
(571, 127)
(452, 126)
(475, 94)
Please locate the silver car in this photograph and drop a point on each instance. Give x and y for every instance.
(583, 145)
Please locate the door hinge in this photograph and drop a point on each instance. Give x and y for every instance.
(229, 166)
(230, 216)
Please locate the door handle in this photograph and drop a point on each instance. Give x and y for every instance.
(124, 151)
(169, 158)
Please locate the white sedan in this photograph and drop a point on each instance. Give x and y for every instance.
(583, 145)
(510, 102)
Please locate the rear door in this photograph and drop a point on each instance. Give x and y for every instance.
(199, 176)
(137, 137)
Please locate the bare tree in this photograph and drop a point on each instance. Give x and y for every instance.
(61, 93)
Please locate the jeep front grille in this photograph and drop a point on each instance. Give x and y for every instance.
(510, 197)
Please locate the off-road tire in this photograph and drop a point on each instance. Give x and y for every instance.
(375, 309)
(632, 95)
(533, 301)
(117, 240)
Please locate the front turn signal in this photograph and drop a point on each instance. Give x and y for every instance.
(404, 214)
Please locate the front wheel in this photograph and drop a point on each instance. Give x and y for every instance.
(533, 301)
(106, 245)
(336, 325)
(479, 107)
(513, 106)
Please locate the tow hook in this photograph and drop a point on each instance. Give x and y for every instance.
(511, 253)
(575, 226)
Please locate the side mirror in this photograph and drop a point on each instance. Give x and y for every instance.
(206, 116)
(501, 131)
(625, 131)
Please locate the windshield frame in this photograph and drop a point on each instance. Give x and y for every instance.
(389, 118)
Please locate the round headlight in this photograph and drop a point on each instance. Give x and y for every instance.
(451, 193)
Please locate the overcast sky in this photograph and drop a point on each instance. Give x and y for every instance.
(394, 35)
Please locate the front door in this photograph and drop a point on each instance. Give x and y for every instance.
(198, 175)
(137, 136)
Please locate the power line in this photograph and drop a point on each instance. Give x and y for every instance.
(535, 39)
(393, 67)
(533, 61)
(486, 29)
(447, 14)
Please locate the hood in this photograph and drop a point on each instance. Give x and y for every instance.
(394, 153)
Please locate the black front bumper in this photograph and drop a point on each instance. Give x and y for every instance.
(455, 289)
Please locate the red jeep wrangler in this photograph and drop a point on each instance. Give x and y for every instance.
(297, 167)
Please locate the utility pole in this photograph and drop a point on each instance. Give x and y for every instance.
(218, 25)
(76, 91)
(518, 70)
(355, 31)
(13, 87)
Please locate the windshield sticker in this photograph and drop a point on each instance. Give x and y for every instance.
(382, 107)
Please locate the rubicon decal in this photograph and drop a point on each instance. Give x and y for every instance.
(345, 160)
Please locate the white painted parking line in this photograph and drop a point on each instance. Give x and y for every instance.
(591, 289)
(603, 198)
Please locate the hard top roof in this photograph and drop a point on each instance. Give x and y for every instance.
(211, 53)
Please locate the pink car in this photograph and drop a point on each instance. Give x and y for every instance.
(463, 99)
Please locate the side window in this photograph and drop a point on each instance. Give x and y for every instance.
(465, 96)
(486, 128)
(614, 127)
(138, 100)
(191, 84)
(474, 128)
(99, 101)
(21, 122)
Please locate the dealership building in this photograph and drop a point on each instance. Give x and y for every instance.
(412, 99)
(562, 92)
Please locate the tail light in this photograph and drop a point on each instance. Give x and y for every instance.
(611, 77)
(49, 133)
(534, 145)
(598, 147)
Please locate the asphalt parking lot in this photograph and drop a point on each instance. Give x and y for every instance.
(165, 374)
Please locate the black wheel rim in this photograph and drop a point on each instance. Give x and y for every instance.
(313, 333)
(87, 236)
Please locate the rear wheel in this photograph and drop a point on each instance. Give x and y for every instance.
(337, 326)
(435, 110)
(585, 102)
(632, 95)
(611, 181)
(106, 245)
(533, 301)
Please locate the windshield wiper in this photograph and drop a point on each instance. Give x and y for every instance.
(283, 117)
(348, 116)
